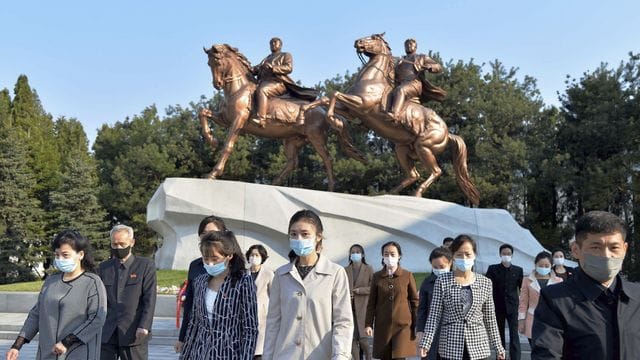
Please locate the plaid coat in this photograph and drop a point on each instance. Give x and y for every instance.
(478, 328)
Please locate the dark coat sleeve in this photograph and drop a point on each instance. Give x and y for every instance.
(149, 295)
(188, 301)
(423, 306)
(547, 332)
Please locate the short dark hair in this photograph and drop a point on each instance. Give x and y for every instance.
(261, 250)
(460, 240)
(390, 243)
(599, 222)
(441, 252)
(505, 246)
(446, 240)
(554, 251)
(78, 243)
(542, 255)
(211, 219)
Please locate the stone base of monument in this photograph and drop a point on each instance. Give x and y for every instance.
(259, 214)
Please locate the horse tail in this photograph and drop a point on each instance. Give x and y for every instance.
(346, 144)
(459, 149)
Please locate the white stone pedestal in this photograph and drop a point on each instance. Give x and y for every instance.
(260, 214)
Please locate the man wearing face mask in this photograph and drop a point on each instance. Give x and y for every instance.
(130, 282)
(594, 314)
(507, 280)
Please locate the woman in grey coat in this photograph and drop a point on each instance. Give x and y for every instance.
(71, 307)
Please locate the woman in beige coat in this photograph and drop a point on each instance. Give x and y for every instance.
(262, 277)
(530, 291)
(360, 276)
(309, 306)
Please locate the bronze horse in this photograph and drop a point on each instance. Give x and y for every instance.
(231, 72)
(421, 137)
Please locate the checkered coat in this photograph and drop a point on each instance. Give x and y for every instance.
(478, 328)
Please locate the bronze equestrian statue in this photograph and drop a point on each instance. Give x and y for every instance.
(411, 83)
(233, 74)
(273, 77)
(420, 134)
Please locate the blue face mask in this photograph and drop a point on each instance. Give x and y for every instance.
(356, 257)
(302, 247)
(65, 265)
(438, 272)
(544, 271)
(215, 269)
(463, 264)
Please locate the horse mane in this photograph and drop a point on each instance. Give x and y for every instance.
(243, 59)
(391, 65)
(381, 37)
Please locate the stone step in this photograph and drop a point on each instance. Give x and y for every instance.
(155, 340)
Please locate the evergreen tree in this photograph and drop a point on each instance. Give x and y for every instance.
(35, 128)
(5, 109)
(74, 204)
(22, 246)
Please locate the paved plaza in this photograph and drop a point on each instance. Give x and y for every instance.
(161, 347)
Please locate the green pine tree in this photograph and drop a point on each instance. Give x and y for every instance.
(74, 204)
(22, 247)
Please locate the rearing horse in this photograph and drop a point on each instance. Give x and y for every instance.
(423, 134)
(231, 72)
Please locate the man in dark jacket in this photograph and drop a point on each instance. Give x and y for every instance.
(130, 282)
(507, 280)
(596, 313)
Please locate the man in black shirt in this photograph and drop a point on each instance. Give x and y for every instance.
(595, 314)
(507, 280)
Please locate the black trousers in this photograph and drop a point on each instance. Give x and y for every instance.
(514, 338)
(112, 351)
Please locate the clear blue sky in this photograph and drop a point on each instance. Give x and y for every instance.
(103, 61)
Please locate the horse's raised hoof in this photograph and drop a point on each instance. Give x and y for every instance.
(259, 122)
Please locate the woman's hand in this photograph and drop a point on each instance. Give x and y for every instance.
(501, 356)
(12, 354)
(59, 349)
(424, 352)
(369, 331)
(521, 326)
(178, 346)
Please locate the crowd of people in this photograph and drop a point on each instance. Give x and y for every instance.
(312, 308)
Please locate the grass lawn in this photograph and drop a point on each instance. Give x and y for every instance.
(166, 278)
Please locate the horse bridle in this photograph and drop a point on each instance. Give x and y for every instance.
(384, 72)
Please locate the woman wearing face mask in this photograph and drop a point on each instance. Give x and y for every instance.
(196, 268)
(71, 307)
(392, 307)
(558, 267)
(462, 306)
(540, 277)
(309, 306)
(360, 276)
(262, 277)
(440, 259)
(224, 317)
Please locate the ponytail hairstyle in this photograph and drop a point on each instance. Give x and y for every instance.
(78, 243)
(226, 244)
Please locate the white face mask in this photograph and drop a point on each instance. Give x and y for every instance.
(255, 260)
(558, 261)
(438, 272)
(390, 261)
(506, 259)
